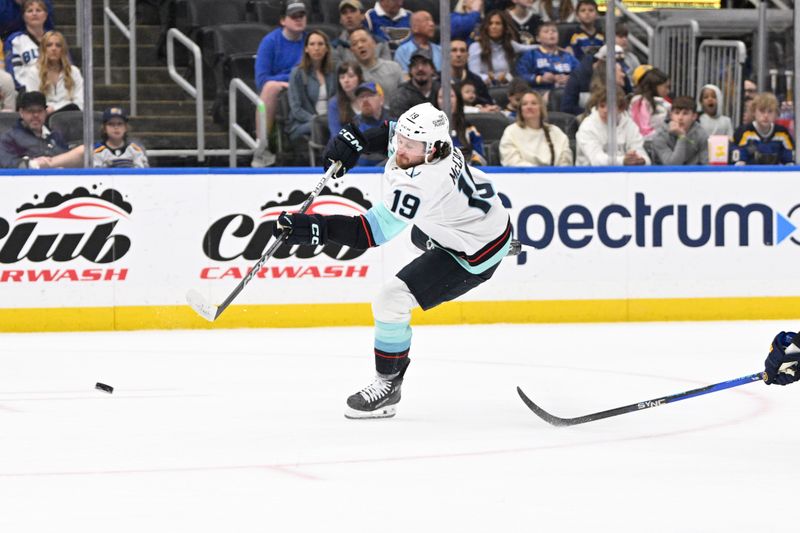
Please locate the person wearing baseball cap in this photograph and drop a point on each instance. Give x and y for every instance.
(279, 52)
(420, 88)
(373, 114)
(351, 18)
(115, 150)
(30, 142)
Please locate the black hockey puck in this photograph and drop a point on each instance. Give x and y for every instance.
(103, 387)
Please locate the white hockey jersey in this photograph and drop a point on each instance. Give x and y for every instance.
(130, 155)
(455, 205)
(22, 52)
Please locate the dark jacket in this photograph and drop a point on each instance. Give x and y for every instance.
(481, 91)
(407, 96)
(303, 95)
(20, 141)
(580, 80)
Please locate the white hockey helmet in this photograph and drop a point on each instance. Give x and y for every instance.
(429, 125)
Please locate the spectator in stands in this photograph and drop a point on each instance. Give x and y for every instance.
(55, 76)
(374, 114)
(762, 141)
(592, 137)
(351, 18)
(639, 72)
(460, 73)
(649, 107)
(464, 135)
(630, 61)
(712, 120)
(386, 15)
(115, 150)
(8, 92)
(579, 85)
(531, 141)
(279, 52)
(516, 89)
(587, 39)
(11, 17)
(30, 140)
(311, 84)
(750, 89)
(547, 67)
(422, 31)
(682, 140)
(558, 11)
(493, 55)
(420, 88)
(387, 73)
(343, 107)
(22, 47)
(465, 17)
(525, 20)
(469, 96)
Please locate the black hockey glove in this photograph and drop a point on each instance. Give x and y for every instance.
(346, 147)
(303, 229)
(780, 367)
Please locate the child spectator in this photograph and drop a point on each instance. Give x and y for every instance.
(469, 96)
(465, 136)
(311, 84)
(517, 88)
(55, 76)
(493, 55)
(763, 142)
(343, 107)
(22, 47)
(587, 39)
(531, 141)
(279, 52)
(547, 67)
(630, 61)
(592, 137)
(115, 150)
(712, 120)
(525, 20)
(649, 106)
(682, 141)
(749, 91)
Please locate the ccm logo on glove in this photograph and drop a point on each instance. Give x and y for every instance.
(349, 137)
(301, 229)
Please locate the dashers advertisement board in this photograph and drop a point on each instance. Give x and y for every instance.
(92, 250)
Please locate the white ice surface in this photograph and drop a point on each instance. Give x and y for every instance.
(234, 431)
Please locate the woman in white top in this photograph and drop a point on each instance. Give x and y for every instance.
(311, 84)
(493, 54)
(55, 76)
(531, 141)
(22, 47)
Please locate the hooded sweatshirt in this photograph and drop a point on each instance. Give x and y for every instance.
(718, 124)
(592, 141)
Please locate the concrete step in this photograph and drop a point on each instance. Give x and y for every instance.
(146, 55)
(179, 140)
(157, 107)
(66, 12)
(144, 34)
(175, 124)
(120, 92)
(121, 75)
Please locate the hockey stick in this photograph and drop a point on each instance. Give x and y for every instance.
(557, 421)
(210, 311)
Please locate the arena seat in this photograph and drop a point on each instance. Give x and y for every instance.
(331, 30)
(70, 125)
(320, 134)
(264, 11)
(566, 122)
(7, 121)
(490, 125)
(499, 95)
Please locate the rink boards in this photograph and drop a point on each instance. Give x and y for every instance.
(88, 250)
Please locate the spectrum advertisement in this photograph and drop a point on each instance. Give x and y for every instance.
(130, 245)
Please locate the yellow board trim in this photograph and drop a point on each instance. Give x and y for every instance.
(319, 315)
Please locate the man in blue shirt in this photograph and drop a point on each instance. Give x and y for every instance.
(422, 31)
(279, 52)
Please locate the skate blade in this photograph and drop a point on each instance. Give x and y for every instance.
(384, 412)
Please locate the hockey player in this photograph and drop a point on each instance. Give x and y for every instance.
(458, 220)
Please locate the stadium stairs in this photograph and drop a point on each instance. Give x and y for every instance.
(166, 113)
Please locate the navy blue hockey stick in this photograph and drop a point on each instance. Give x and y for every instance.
(639, 406)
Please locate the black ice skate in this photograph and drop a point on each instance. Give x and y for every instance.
(379, 399)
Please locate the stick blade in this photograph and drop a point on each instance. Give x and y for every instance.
(541, 413)
(201, 306)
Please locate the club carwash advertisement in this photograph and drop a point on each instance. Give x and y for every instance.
(140, 241)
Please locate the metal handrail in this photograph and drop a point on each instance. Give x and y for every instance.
(130, 33)
(640, 22)
(235, 130)
(195, 92)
